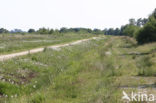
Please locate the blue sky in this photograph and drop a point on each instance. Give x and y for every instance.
(25, 14)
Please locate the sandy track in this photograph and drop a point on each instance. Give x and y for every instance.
(9, 56)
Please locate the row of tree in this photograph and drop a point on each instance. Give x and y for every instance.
(128, 29)
(143, 30)
(66, 30)
(52, 31)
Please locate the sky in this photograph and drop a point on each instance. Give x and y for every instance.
(25, 14)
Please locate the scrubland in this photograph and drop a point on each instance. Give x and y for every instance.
(96, 71)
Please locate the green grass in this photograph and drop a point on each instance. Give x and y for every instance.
(17, 42)
(91, 72)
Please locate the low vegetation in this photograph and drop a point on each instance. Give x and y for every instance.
(17, 42)
(92, 72)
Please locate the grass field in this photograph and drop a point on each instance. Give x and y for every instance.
(17, 42)
(92, 72)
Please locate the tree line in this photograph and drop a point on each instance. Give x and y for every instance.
(142, 29)
(53, 31)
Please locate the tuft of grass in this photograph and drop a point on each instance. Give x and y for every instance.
(8, 90)
(144, 64)
(39, 98)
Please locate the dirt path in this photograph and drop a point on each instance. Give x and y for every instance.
(9, 56)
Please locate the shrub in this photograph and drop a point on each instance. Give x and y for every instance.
(148, 32)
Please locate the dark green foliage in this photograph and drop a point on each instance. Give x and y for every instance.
(97, 31)
(68, 30)
(144, 30)
(63, 30)
(130, 30)
(112, 31)
(17, 31)
(148, 32)
(51, 31)
(2, 30)
(31, 30)
(43, 31)
(80, 30)
(141, 22)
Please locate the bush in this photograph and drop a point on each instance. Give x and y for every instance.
(148, 32)
(130, 30)
(31, 31)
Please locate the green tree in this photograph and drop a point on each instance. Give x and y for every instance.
(97, 31)
(51, 31)
(31, 31)
(64, 30)
(117, 31)
(141, 22)
(43, 31)
(130, 30)
(148, 32)
(2, 30)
